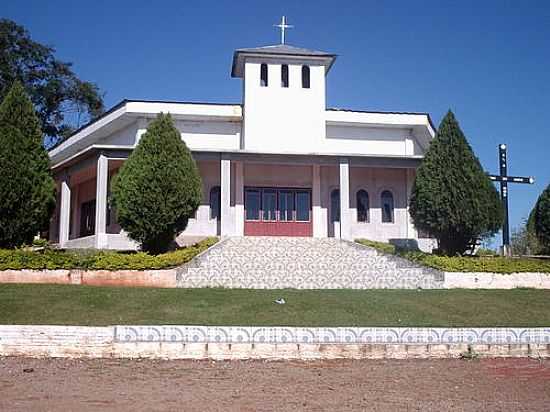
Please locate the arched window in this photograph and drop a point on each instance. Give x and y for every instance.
(362, 206)
(386, 201)
(284, 75)
(335, 205)
(305, 77)
(215, 202)
(263, 75)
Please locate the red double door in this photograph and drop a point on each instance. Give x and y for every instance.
(277, 212)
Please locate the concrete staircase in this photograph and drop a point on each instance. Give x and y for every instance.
(302, 263)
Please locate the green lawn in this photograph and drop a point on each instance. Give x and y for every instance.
(84, 305)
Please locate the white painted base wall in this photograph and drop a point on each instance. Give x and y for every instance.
(481, 280)
(171, 342)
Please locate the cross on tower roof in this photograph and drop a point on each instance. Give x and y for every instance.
(283, 26)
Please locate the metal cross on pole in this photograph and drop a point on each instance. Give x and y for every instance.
(283, 26)
(504, 179)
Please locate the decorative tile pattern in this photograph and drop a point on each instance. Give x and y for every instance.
(410, 336)
(302, 263)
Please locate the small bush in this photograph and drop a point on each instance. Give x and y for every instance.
(381, 246)
(40, 242)
(56, 259)
(494, 264)
(479, 263)
(486, 252)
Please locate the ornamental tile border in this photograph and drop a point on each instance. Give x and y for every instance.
(339, 335)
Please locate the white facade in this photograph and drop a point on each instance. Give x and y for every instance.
(276, 118)
(281, 145)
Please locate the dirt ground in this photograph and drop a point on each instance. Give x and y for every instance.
(380, 385)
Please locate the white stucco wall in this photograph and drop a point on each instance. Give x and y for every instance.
(126, 136)
(210, 135)
(369, 140)
(283, 119)
(201, 224)
(197, 134)
(277, 175)
(375, 181)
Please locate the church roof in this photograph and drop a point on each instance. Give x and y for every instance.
(278, 50)
(284, 49)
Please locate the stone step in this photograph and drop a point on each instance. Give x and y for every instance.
(303, 265)
(277, 262)
(282, 280)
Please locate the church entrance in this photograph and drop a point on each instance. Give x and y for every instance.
(273, 211)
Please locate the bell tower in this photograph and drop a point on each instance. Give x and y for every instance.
(284, 99)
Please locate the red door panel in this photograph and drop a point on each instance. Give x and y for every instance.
(259, 228)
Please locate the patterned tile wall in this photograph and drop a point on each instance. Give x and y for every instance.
(351, 335)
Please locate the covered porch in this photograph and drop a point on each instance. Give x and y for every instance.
(250, 194)
(315, 195)
(83, 216)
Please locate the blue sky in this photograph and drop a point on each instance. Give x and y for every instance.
(488, 61)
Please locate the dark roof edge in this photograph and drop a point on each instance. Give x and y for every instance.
(336, 109)
(318, 56)
(125, 101)
(180, 102)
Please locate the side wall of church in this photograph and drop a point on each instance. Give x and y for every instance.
(375, 181)
(197, 134)
(202, 224)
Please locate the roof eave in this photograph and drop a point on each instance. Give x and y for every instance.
(237, 67)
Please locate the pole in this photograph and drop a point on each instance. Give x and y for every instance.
(503, 179)
(504, 197)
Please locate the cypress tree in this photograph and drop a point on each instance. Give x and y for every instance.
(158, 188)
(27, 189)
(452, 198)
(541, 219)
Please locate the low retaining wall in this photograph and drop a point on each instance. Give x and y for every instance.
(202, 342)
(163, 278)
(167, 278)
(483, 280)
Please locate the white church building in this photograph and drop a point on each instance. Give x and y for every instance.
(279, 164)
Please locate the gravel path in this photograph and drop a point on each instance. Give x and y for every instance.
(380, 385)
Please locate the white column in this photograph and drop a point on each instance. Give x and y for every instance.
(345, 216)
(65, 213)
(75, 215)
(101, 202)
(239, 199)
(409, 145)
(225, 188)
(141, 129)
(319, 222)
(409, 182)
